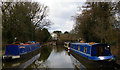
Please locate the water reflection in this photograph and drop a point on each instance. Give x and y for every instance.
(45, 53)
(53, 57)
(58, 48)
(77, 64)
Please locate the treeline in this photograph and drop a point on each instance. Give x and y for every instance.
(98, 22)
(25, 21)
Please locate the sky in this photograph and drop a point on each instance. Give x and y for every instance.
(61, 12)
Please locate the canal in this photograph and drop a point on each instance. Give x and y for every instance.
(52, 57)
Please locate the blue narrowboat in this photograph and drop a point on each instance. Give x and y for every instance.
(17, 50)
(92, 51)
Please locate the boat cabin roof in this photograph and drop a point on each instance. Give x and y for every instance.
(88, 44)
(23, 43)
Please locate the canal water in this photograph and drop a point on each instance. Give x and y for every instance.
(52, 57)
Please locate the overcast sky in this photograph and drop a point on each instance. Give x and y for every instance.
(60, 12)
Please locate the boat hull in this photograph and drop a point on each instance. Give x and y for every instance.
(93, 65)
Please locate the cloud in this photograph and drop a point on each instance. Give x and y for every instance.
(60, 12)
(67, 26)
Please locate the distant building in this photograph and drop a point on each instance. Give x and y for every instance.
(54, 36)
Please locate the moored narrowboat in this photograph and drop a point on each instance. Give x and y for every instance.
(93, 51)
(14, 51)
(66, 45)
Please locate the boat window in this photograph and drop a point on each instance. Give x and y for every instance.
(100, 50)
(85, 49)
(78, 48)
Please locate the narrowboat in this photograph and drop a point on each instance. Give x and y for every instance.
(93, 51)
(66, 45)
(17, 50)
